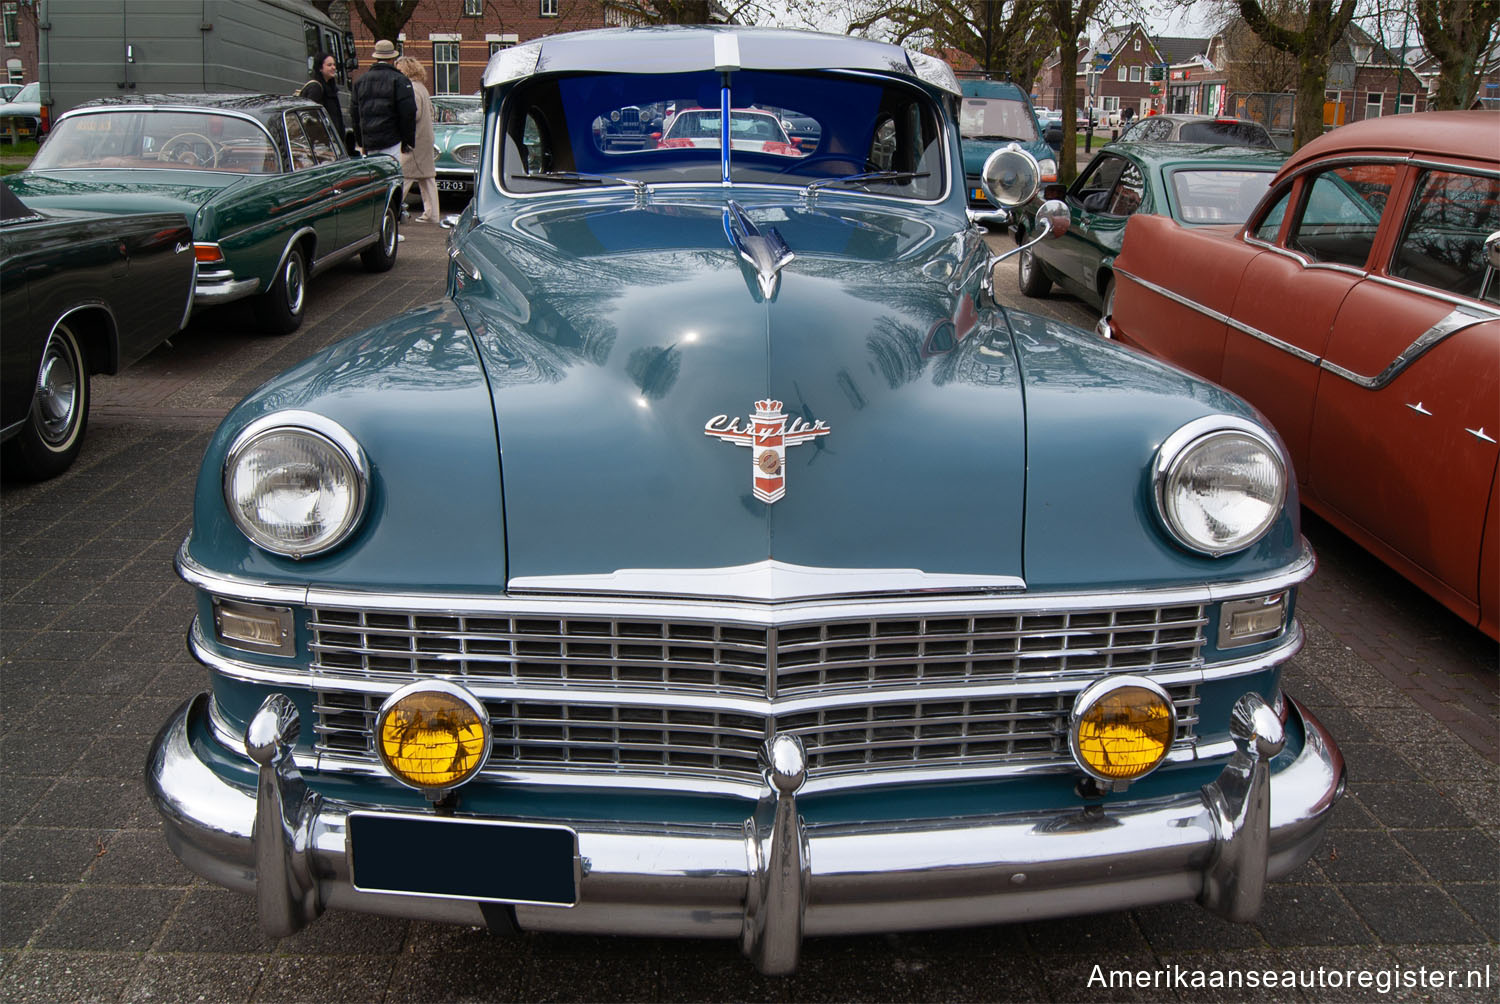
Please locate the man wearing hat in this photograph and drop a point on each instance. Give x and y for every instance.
(384, 107)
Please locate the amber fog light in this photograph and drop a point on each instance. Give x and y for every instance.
(1122, 728)
(432, 735)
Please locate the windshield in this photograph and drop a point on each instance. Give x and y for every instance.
(1226, 133)
(457, 111)
(784, 129)
(195, 141)
(1218, 196)
(31, 92)
(996, 118)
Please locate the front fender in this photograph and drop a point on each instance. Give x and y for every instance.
(413, 393)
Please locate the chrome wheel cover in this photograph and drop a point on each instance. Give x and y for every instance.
(57, 397)
(294, 281)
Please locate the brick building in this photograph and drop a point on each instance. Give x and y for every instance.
(455, 39)
(18, 20)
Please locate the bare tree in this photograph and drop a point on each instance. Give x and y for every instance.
(1257, 66)
(1458, 34)
(1070, 19)
(385, 18)
(1005, 38)
(1322, 24)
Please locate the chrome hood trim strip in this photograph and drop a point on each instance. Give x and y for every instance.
(768, 581)
(890, 601)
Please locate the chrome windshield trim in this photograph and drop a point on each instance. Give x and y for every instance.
(768, 581)
(780, 614)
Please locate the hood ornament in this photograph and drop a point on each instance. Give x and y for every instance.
(768, 437)
(764, 251)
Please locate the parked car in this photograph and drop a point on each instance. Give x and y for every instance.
(273, 197)
(749, 131)
(1212, 129)
(803, 130)
(80, 293)
(993, 114)
(455, 131)
(1187, 184)
(9, 91)
(512, 615)
(23, 116)
(1359, 309)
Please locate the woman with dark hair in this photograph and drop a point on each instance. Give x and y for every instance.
(324, 89)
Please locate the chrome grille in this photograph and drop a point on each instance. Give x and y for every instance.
(733, 660)
(540, 736)
(681, 697)
(468, 153)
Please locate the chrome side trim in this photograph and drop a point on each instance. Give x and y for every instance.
(1209, 312)
(1464, 315)
(1457, 320)
(768, 581)
(791, 612)
(1471, 305)
(334, 257)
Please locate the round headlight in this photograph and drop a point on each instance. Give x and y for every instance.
(1220, 484)
(295, 483)
(1122, 728)
(432, 735)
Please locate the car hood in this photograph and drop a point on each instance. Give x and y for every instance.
(608, 357)
(122, 191)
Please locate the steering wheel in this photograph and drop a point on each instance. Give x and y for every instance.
(190, 152)
(797, 166)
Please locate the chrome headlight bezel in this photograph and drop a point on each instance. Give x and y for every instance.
(325, 434)
(1173, 457)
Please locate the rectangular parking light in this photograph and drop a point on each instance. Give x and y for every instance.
(207, 252)
(1243, 622)
(254, 628)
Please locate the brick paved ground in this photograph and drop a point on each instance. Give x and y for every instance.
(94, 907)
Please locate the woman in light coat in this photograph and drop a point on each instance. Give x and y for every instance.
(417, 166)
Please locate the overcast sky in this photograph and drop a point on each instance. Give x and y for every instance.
(1197, 21)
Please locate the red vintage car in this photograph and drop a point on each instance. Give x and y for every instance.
(1359, 309)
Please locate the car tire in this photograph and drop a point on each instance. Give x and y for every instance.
(381, 256)
(1033, 278)
(280, 308)
(52, 436)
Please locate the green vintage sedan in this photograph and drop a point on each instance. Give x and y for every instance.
(456, 123)
(719, 558)
(273, 196)
(1192, 184)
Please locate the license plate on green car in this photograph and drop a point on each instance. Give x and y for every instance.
(463, 858)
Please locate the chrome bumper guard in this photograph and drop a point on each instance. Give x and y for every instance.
(775, 879)
(221, 287)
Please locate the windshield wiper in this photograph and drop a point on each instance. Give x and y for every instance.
(862, 180)
(578, 178)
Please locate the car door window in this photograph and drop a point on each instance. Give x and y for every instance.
(1091, 192)
(1442, 240)
(1129, 193)
(317, 135)
(1340, 213)
(1270, 224)
(298, 145)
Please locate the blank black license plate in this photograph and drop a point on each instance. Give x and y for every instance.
(464, 858)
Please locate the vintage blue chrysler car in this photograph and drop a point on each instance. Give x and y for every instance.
(719, 559)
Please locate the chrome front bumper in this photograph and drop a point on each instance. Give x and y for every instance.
(774, 879)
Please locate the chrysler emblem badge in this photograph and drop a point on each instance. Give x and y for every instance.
(768, 437)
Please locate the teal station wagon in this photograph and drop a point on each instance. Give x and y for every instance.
(719, 559)
(272, 196)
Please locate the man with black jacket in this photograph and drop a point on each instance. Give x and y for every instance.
(384, 107)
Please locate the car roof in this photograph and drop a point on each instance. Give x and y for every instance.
(681, 49)
(266, 107)
(1454, 134)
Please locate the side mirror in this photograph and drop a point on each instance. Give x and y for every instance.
(1492, 250)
